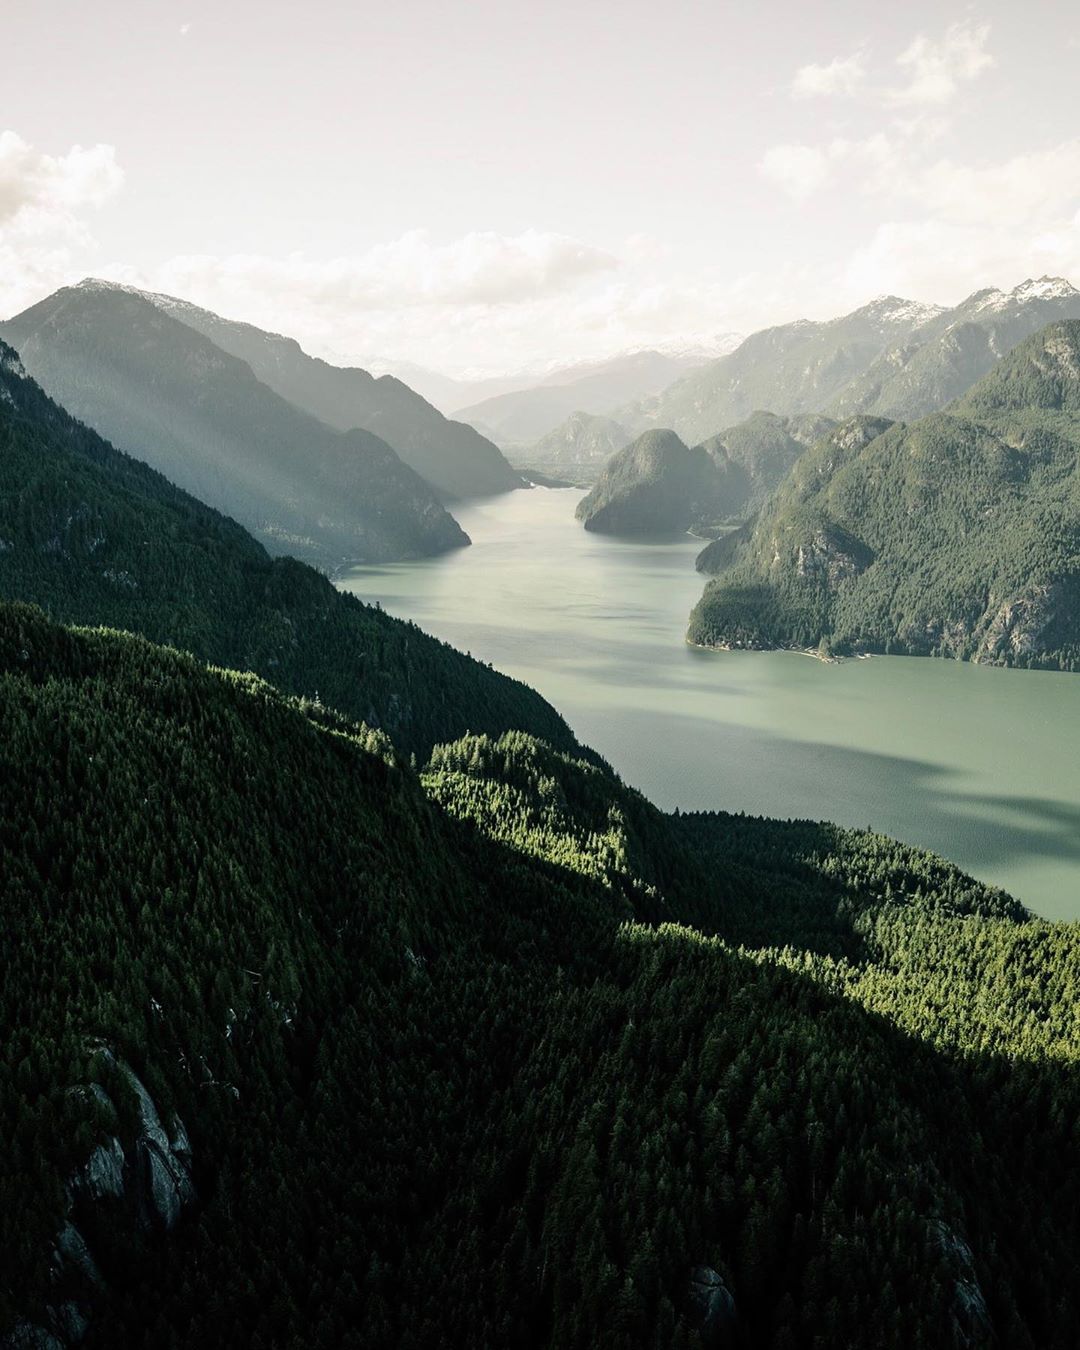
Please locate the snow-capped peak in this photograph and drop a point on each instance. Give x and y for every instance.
(1045, 288)
(100, 284)
(895, 309)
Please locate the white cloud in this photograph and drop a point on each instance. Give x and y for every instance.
(413, 271)
(40, 192)
(797, 169)
(936, 70)
(1036, 186)
(43, 199)
(944, 261)
(844, 75)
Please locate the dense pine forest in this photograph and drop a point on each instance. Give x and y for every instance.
(497, 1053)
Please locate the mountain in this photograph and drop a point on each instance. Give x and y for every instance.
(794, 368)
(955, 535)
(520, 418)
(157, 388)
(658, 483)
(580, 446)
(308, 1049)
(451, 456)
(893, 358)
(654, 485)
(753, 456)
(448, 392)
(97, 537)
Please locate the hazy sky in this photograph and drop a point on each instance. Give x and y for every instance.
(491, 184)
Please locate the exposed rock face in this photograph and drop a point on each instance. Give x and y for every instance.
(713, 1309)
(832, 555)
(163, 1161)
(150, 1179)
(1019, 624)
(974, 1329)
(102, 1176)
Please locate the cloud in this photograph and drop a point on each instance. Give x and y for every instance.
(936, 70)
(1038, 185)
(945, 260)
(844, 75)
(40, 192)
(799, 170)
(482, 268)
(933, 70)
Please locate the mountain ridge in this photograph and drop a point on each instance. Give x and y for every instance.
(892, 357)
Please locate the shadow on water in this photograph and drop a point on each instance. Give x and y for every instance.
(713, 765)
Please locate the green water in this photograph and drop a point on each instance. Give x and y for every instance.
(981, 765)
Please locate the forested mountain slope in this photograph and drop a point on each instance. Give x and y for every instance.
(653, 485)
(98, 537)
(439, 1073)
(454, 458)
(159, 390)
(956, 535)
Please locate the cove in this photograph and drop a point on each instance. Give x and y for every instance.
(979, 764)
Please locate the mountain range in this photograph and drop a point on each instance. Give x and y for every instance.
(520, 417)
(158, 388)
(891, 358)
(957, 534)
(451, 456)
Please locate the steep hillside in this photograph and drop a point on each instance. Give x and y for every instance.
(956, 535)
(454, 458)
(308, 1051)
(97, 537)
(160, 390)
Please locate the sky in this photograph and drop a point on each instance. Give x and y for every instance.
(500, 185)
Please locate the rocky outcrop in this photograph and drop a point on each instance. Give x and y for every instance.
(712, 1309)
(973, 1326)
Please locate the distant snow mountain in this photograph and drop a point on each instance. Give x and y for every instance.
(891, 358)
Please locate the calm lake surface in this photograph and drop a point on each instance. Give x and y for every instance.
(979, 764)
